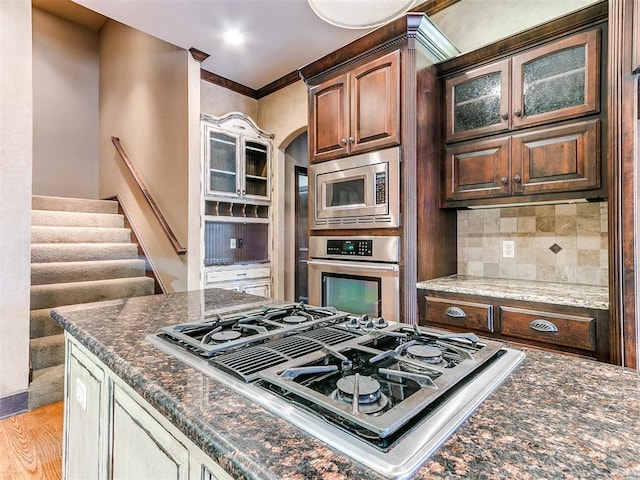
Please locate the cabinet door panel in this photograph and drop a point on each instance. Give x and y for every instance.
(557, 81)
(375, 104)
(85, 413)
(136, 430)
(478, 170)
(222, 161)
(478, 102)
(329, 104)
(557, 159)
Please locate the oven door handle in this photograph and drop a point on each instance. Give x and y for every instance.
(391, 267)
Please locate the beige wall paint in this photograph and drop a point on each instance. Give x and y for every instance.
(283, 113)
(295, 155)
(471, 24)
(65, 108)
(16, 130)
(144, 100)
(216, 100)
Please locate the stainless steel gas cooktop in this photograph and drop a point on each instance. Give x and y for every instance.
(385, 394)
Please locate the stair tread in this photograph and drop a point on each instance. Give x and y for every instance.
(54, 203)
(69, 218)
(73, 293)
(63, 272)
(44, 234)
(55, 252)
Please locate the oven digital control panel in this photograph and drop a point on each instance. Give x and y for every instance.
(357, 248)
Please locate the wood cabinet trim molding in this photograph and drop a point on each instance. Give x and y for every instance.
(623, 202)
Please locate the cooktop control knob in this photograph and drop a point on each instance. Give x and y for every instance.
(353, 322)
(381, 323)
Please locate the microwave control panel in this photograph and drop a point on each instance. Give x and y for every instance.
(358, 248)
(381, 188)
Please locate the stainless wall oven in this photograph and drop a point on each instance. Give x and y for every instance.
(362, 191)
(360, 275)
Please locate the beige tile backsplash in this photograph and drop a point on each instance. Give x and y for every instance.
(578, 231)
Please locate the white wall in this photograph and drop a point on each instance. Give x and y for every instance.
(65, 108)
(16, 123)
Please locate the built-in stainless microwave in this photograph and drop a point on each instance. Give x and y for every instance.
(362, 191)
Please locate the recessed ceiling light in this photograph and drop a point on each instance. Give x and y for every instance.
(233, 37)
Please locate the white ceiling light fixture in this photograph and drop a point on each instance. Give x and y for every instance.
(360, 13)
(233, 37)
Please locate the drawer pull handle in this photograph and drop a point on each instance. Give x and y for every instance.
(455, 312)
(543, 326)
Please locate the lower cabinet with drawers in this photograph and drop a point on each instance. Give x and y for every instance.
(572, 329)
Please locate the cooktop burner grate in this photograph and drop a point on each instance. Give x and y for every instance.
(248, 362)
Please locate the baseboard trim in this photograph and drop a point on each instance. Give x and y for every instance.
(14, 404)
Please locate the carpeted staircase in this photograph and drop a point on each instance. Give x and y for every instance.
(80, 253)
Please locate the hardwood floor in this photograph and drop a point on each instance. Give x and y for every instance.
(31, 444)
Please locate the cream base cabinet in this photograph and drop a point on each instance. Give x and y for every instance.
(135, 430)
(110, 432)
(85, 416)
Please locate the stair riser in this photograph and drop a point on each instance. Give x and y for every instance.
(42, 325)
(47, 386)
(73, 204)
(50, 296)
(67, 272)
(45, 253)
(52, 218)
(47, 351)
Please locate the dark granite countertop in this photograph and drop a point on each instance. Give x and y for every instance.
(557, 416)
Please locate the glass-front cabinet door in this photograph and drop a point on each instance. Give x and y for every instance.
(256, 169)
(557, 81)
(222, 164)
(478, 102)
(237, 159)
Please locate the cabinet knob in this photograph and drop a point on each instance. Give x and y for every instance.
(504, 116)
(244, 192)
(352, 140)
(504, 180)
(238, 191)
(343, 141)
(517, 179)
(518, 113)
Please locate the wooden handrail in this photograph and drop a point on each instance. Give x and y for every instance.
(179, 249)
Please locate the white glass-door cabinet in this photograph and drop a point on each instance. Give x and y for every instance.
(237, 158)
(236, 199)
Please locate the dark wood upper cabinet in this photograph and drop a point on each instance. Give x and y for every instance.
(477, 101)
(357, 110)
(557, 81)
(526, 126)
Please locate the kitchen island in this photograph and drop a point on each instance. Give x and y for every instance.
(557, 416)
